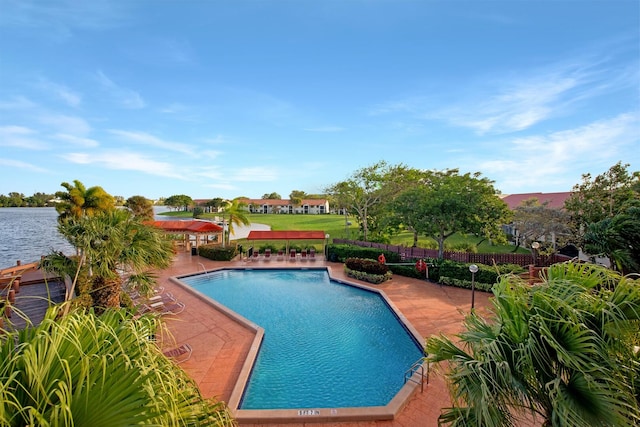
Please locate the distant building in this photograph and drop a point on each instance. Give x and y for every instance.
(276, 206)
(553, 200)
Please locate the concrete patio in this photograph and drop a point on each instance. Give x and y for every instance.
(220, 345)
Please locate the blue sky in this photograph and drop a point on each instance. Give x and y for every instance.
(225, 99)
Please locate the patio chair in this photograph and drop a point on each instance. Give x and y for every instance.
(292, 255)
(267, 255)
(179, 354)
(312, 254)
(161, 308)
(256, 256)
(165, 297)
(280, 256)
(303, 255)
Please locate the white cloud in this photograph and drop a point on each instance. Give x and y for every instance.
(150, 140)
(70, 97)
(120, 160)
(17, 103)
(21, 137)
(540, 159)
(23, 166)
(125, 97)
(173, 108)
(76, 140)
(257, 173)
(70, 125)
(519, 99)
(325, 129)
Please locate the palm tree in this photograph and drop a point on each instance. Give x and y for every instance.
(113, 245)
(86, 370)
(562, 351)
(79, 201)
(235, 211)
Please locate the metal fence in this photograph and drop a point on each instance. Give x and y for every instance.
(407, 252)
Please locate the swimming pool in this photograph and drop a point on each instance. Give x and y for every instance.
(326, 344)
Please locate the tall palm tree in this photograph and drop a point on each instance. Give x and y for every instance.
(79, 201)
(114, 245)
(562, 351)
(235, 211)
(86, 370)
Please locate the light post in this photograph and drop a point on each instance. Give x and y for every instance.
(473, 269)
(534, 247)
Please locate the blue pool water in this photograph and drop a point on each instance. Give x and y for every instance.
(326, 344)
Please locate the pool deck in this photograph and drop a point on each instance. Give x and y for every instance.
(221, 345)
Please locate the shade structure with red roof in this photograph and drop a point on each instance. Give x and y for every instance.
(202, 230)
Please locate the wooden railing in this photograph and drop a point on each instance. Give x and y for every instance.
(407, 252)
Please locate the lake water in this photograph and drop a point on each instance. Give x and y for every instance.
(28, 233)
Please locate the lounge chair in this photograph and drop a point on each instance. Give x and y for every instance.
(280, 255)
(292, 255)
(256, 256)
(179, 354)
(267, 255)
(303, 255)
(161, 308)
(312, 254)
(165, 297)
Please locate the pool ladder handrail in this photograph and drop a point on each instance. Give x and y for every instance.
(418, 367)
(206, 273)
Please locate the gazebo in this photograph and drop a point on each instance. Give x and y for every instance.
(288, 236)
(202, 230)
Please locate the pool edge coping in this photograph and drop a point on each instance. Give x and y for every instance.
(311, 415)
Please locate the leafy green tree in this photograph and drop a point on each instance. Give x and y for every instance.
(296, 197)
(449, 203)
(79, 201)
(39, 200)
(534, 221)
(86, 370)
(272, 196)
(111, 245)
(141, 207)
(16, 200)
(604, 196)
(365, 193)
(617, 238)
(562, 351)
(179, 201)
(215, 204)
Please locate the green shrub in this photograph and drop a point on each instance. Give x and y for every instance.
(376, 279)
(458, 283)
(217, 253)
(367, 269)
(339, 253)
(366, 265)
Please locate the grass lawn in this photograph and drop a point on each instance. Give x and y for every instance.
(334, 226)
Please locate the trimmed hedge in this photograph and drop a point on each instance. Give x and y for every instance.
(450, 281)
(376, 279)
(340, 253)
(217, 253)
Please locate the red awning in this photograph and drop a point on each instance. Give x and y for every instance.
(286, 235)
(188, 226)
